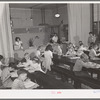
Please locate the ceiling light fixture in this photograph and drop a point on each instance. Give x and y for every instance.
(57, 15)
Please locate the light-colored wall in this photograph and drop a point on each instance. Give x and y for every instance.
(21, 19)
(43, 34)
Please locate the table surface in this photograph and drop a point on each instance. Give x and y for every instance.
(66, 60)
(49, 82)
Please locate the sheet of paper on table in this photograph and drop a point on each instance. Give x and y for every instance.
(65, 66)
(92, 63)
(27, 68)
(29, 84)
(74, 57)
(31, 71)
(98, 66)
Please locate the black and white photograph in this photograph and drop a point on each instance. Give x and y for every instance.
(49, 46)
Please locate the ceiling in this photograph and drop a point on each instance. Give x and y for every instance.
(36, 5)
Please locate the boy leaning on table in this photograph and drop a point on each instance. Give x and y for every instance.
(19, 83)
(83, 62)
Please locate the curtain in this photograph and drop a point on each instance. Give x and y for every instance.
(6, 45)
(79, 22)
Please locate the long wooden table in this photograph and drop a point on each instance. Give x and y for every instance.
(59, 59)
(49, 82)
(78, 81)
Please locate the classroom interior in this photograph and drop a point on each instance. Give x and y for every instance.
(49, 46)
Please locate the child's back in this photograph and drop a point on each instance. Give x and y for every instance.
(18, 84)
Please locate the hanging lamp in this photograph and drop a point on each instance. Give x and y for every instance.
(57, 15)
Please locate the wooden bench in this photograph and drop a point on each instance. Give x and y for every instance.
(95, 84)
(64, 60)
(49, 82)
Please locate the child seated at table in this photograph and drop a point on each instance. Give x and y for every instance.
(81, 48)
(26, 57)
(38, 52)
(6, 75)
(57, 49)
(91, 45)
(83, 62)
(71, 51)
(19, 82)
(25, 62)
(92, 54)
(23, 82)
(35, 65)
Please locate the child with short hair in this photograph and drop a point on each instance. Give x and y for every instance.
(19, 82)
(6, 75)
(90, 38)
(25, 62)
(38, 53)
(57, 49)
(83, 62)
(35, 65)
(81, 48)
(71, 51)
(92, 54)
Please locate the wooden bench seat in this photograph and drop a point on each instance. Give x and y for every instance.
(93, 83)
(49, 82)
(65, 60)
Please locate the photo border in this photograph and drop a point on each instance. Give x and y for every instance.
(57, 96)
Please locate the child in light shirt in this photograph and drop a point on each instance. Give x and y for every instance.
(71, 51)
(35, 65)
(19, 82)
(57, 49)
(25, 62)
(92, 54)
(38, 52)
(83, 62)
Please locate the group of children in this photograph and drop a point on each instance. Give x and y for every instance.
(42, 61)
(93, 50)
(13, 76)
(73, 50)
